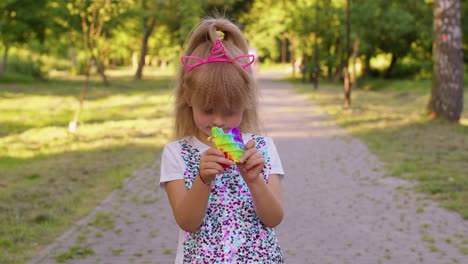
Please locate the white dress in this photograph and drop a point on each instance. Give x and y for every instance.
(231, 231)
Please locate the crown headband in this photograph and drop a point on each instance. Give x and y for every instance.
(217, 54)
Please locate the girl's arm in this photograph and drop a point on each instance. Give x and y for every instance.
(268, 200)
(189, 206)
(267, 197)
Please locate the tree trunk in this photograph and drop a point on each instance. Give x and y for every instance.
(316, 48)
(73, 125)
(336, 75)
(388, 72)
(447, 86)
(283, 48)
(366, 65)
(144, 48)
(304, 67)
(5, 59)
(347, 87)
(292, 52)
(101, 70)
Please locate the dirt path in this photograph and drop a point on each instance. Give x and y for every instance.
(339, 208)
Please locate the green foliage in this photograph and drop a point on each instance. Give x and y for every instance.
(23, 66)
(259, 30)
(402, 29)
(14, 77)
(22, 20)
(401, 26)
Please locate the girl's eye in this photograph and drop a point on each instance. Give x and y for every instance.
(231, 112)
(208, 111)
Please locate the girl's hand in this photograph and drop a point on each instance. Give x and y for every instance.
(251, 163)
(210, 164)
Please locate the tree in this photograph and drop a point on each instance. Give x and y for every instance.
(152, 13)
(148, 22)
(20, 21)
(259, 30)
(386, 36)
(94, 16)
(447, 86)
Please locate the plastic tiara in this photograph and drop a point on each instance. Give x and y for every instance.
(217, 54)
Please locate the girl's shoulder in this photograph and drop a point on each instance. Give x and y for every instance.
(187, 143)
(173, 145)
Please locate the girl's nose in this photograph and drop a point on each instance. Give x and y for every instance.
(218, 121)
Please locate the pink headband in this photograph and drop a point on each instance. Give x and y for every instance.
(217, 54)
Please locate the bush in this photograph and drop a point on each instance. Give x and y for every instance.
(25, 67)
(54, 64)
(13, 77)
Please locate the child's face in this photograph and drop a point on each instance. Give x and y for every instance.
(206, 119)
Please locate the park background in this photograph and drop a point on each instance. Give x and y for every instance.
(85, 94)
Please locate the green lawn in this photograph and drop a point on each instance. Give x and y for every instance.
(50, 178)
(390, 116)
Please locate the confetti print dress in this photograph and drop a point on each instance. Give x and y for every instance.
(231, 232)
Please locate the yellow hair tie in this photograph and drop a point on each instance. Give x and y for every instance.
(220, 34)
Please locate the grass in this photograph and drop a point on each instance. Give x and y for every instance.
(50, 178)
(74, 253)
(390, 117)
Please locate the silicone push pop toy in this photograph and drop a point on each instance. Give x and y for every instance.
(230, 143)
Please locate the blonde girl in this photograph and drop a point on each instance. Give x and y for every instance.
(226, 211)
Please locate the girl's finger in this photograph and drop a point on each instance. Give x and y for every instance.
(215, 155)
(212, 165)
(253, 162)
(214, 151)
(248, 153)
(208, 172)
(218, 160)
(250, 144)
(224, 161)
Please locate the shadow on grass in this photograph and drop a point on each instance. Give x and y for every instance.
(9, 127)
(54, 103)
(97, 90)
(368, 121)
(41, 197)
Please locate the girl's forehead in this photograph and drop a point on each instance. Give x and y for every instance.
(218, 102)
(217, 106)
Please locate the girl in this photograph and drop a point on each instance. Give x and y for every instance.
(226, 211)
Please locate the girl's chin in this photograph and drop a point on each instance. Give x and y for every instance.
(203, 136)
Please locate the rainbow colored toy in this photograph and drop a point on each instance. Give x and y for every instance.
(230, 143)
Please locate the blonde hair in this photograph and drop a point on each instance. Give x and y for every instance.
(215, 85)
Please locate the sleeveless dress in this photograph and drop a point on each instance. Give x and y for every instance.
(231, 232)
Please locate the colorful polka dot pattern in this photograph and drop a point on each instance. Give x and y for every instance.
(231, 231)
